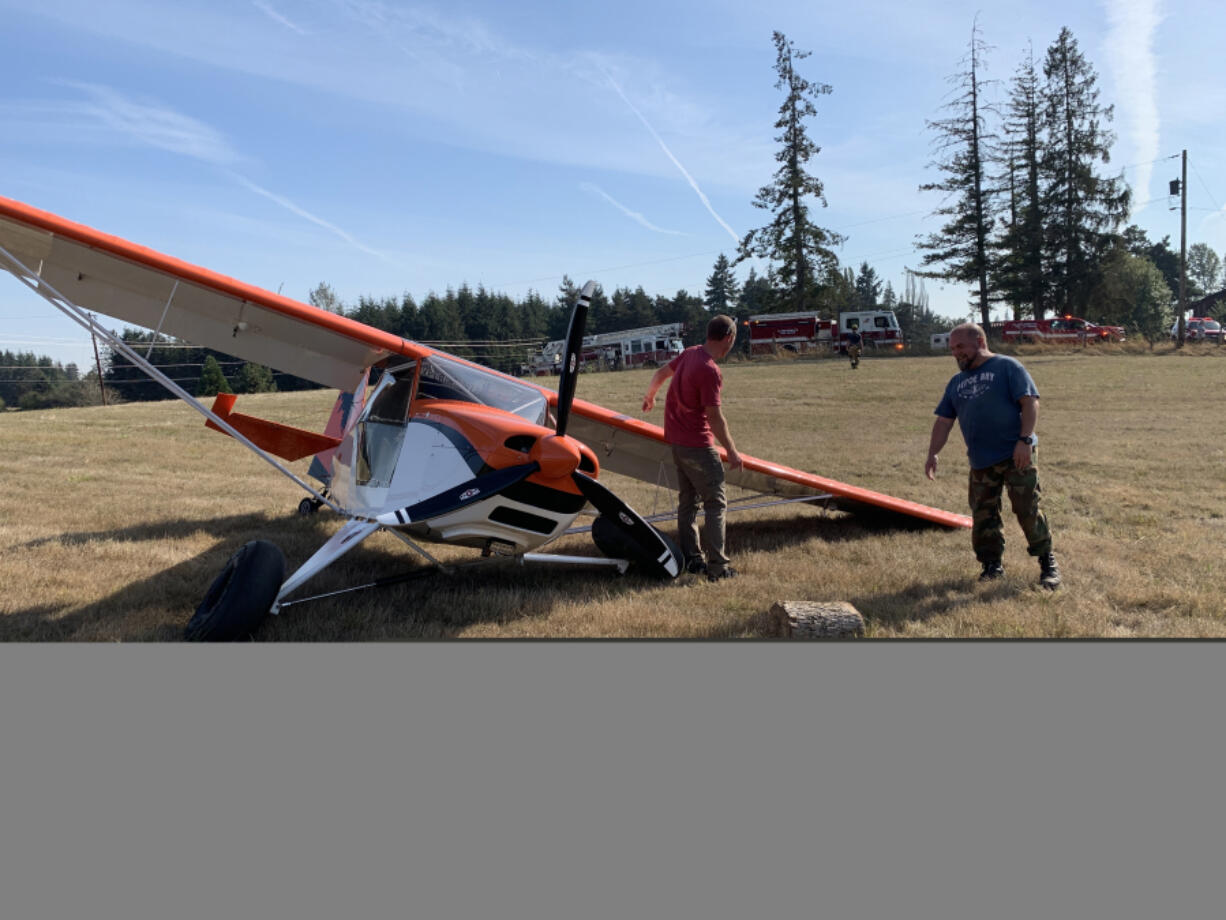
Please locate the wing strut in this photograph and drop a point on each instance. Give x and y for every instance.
(83, 318)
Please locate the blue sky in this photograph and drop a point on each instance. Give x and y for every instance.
(385, 146)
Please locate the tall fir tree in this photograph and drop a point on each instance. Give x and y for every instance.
(965, 145)
(722, 288)
(801, 248)
(1018, 260)
(1082, 209)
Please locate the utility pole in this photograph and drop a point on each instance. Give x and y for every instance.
(1183, 246)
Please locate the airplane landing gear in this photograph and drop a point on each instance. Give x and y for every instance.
(240, 597)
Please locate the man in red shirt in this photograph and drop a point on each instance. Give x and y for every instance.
(693, 422)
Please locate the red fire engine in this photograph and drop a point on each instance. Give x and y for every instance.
(770, 333)
(1072, 330)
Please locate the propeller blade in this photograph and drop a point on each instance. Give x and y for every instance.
(449, 500)
(645, 544)
(570, 363)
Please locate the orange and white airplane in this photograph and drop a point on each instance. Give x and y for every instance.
(421, 444)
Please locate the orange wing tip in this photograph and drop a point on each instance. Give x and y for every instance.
(282, 441)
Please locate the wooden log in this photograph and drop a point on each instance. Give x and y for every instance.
(816, 619)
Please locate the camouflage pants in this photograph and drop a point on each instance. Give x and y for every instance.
(987, 532)
(700, 477)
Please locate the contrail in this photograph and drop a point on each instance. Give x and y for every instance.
(633, 215)
(1129, 45)
(307, 215)
(663, 146)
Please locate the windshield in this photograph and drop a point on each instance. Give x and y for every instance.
(381, 431)
(444, 378)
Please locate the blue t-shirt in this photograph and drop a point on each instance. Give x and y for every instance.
(985, 403)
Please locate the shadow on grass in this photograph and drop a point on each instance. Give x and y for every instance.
(920, 602)
(157, 608)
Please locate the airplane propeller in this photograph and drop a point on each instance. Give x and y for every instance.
(622, 530)
(570, 363)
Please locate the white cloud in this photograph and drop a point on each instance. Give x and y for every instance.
(1129, 46)
(151, 124)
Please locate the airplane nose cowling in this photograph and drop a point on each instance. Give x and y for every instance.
(558, 456)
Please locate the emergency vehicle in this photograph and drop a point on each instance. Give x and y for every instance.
(801, 332)
(647, 346)
(1198, 329)
(1071, 330)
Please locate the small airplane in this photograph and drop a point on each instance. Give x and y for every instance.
(420, 444)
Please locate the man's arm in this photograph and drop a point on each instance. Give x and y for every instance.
(719, 428)
(657, 381)
(940, 434)
(1022, 452)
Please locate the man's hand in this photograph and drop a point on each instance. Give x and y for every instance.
(734, 460)
(649, 402)
(1022, 454)
(930, 468)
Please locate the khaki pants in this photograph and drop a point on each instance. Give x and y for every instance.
(700, 477)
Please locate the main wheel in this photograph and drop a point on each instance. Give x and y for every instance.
(240, 597)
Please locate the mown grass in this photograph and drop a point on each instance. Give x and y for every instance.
(113, 521)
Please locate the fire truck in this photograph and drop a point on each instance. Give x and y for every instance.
(647, 346)
(770, 333)
(1066, 329)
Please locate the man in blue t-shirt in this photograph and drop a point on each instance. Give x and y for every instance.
(997, 406)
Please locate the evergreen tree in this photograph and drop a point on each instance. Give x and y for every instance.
(722, 288)
(1019, 253)
(868, 287)
(757, 295)
(965, 146)
(888, 298)
(254, 378)
(212, 380)
(1082, 209)
(792, 239)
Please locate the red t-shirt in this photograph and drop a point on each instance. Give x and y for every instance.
(695, 385)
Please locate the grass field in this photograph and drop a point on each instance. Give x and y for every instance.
(113, 521)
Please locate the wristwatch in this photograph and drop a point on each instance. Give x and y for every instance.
(1031, 439)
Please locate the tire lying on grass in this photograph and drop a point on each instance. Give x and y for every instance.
(612, 539)
(240, 597)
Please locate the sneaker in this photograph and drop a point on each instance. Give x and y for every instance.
(992, 571)
(726, 572)
(1049, 572)
(695, 565)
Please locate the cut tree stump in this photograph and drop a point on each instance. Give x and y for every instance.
(816, 619)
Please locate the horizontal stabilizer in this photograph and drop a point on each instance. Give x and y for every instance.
(282, 441)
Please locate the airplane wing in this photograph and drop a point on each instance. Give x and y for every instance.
(636, 448)
(137, 285)
(145, 288)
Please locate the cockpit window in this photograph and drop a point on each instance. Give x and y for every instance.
(443, 378)
(381, 430)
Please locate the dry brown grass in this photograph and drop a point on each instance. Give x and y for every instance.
(113, 521)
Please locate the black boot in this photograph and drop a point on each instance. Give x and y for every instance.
(1049, 572)
(992, 570)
